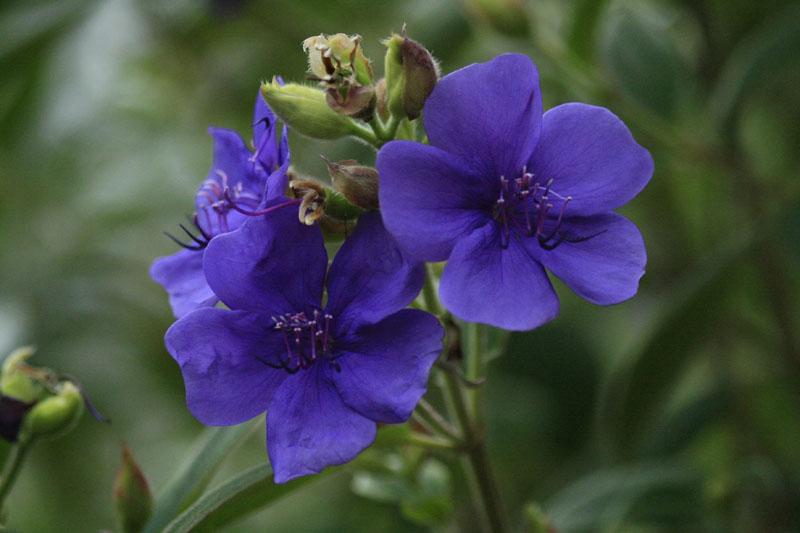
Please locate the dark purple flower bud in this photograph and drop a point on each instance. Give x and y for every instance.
(12, 411)
(358, 184)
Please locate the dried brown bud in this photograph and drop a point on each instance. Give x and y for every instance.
(355, 101)
(313, 194)
(357, 183)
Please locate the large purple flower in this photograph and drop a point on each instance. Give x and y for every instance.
(502, 192)
(238, 179)
(325, 375)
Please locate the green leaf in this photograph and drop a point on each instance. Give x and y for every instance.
(641, 384)
(760, 56)
(196, 472)
(583, 33)
(250, 491)
(641, 494)
(643, 60)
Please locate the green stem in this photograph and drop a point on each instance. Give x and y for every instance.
(12, 467)
(476, 334)
(365, 134)
(434, 443)
(435, 422)
(432, 302)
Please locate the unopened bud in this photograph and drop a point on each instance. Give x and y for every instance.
(411, 74)
(394, 74)
(57, 414)
(133, 500)
(12, 412)
(304, 109)
(16, 383)
(420, 75)
(357, 183)
(356, 101)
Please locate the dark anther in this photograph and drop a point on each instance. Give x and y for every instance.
(563, 238)
(265, 120)
(184, 245)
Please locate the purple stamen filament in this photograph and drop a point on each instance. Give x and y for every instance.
(311, 341)
(522, 199)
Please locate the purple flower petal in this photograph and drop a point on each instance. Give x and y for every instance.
(370, 277)
(506, 288)
(430, 199)
(590, 155)
(604, 269)
(219, 351)
(385, 370)
(265, 135)
(273, 264)
(276, 184)
(488, 114)
(309, 427)
(232, 167)
(181, 275)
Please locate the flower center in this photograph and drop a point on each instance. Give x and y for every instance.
(527, 208)
(306, 339)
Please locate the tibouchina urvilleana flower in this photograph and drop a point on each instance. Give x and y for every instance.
(235, 183)
(503, 191)
(324, 374)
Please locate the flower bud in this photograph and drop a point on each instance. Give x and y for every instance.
(411, 74)
(420, 75)
(12, 412)
(358, 184)
(133, 500)
(304, 109)
(394, 74)
(55, 415)
(16, 383)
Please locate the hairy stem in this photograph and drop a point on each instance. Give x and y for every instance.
(12, 467)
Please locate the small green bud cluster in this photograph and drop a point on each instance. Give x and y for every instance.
(38, 403)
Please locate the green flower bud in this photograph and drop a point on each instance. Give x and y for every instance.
(56, 414)
(16, 383)
(411, 74)
(133, 500)
(382, 95)
(393, 67)
(305, 110)
(357, 183)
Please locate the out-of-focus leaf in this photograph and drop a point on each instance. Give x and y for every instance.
(642, 494)
(387, 488)
(643, 381)
(583, 32)
(196, 472)
(643, 61)
(777, 412)
(250, 491)
(433, 503)
(765, 52)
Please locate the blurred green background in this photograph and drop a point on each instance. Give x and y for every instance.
(676, 411)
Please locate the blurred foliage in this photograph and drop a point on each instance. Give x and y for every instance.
(678, 410)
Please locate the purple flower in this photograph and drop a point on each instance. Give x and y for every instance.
(325, 375)
(502, 192)
(236, 182)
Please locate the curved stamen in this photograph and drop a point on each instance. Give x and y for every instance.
(233, 205)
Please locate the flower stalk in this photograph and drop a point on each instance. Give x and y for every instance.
(13, 466)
